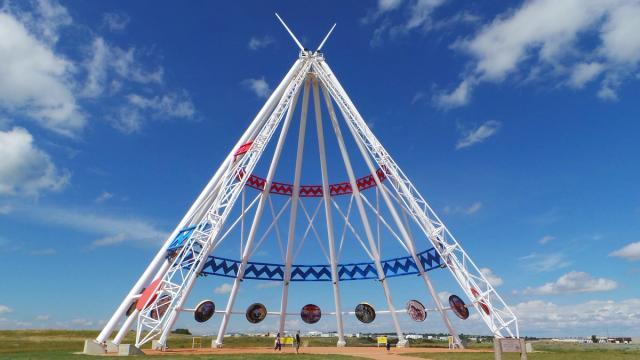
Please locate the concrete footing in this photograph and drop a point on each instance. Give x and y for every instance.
(157, 345)
(341, 343)
(91, 347)
(403, 343)
(111, 347)
(128, 349)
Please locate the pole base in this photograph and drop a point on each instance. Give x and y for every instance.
(216, 344)
(112, 348)
(128, 349)
(91, 347)
(341, 343)
(157, 345)
(402, 343)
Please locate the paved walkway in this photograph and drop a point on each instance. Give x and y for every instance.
(365, 352)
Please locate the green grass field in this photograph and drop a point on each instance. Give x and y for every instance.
(61, 345)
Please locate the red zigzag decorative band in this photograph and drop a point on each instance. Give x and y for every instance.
(343, 188)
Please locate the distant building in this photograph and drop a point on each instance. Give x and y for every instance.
(414, 336)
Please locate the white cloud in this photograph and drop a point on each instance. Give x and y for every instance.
(115, 21)
(492, 278)
(587, 318)
(6, 209)
(573, 282)
(585, 72)
(257, 43)
(104, 196)
(545, 239)
(383, 6)
(418, 17)
(260, 87)
(109, 67)
(36, 82)
(130, 117)
(25, 169)
(109, 229)
(269, 284)
(479, 134)
(223, 289)
(43, 317)
(629, 252)
(474, 208)
(516, 42)
(4, 309)
(45, 18)
(175, 105)
(458, 97)
(420, 13)
(469, 210)
(81, 322)
(544, 262)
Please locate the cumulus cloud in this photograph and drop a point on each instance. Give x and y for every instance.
(4, 309)
(573, 282)
(480, 134)
(589, 317)
(258, 86)
(492, 278)
(131, 116)
(34, 81)
(25, 169)
(629, 252)
(584, 72)
(549, 35)
(257, 43)
(53, 88)
(108, 67)
(223, 289)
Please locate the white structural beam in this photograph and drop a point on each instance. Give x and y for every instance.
(326, 196)
(363, 216)
(294, 207)
(256, 219)
(499, 318)
(409, 244)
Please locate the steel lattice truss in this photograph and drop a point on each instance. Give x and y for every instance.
(188, 252)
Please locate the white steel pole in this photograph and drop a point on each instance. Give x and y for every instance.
(408, 240)
(500, 317)
(365, 221)
(160, 256)
(256, 221)
(294, 207)
(326, 195)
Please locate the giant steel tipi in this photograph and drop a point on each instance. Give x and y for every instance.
(155, 301)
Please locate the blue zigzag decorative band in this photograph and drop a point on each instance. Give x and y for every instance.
(356, 271)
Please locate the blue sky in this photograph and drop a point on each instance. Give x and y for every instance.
(518, 122)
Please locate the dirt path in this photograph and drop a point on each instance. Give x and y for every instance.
(365, 352)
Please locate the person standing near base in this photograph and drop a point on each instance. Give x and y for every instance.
(297, 341)
(278, 345)
(388, 345)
